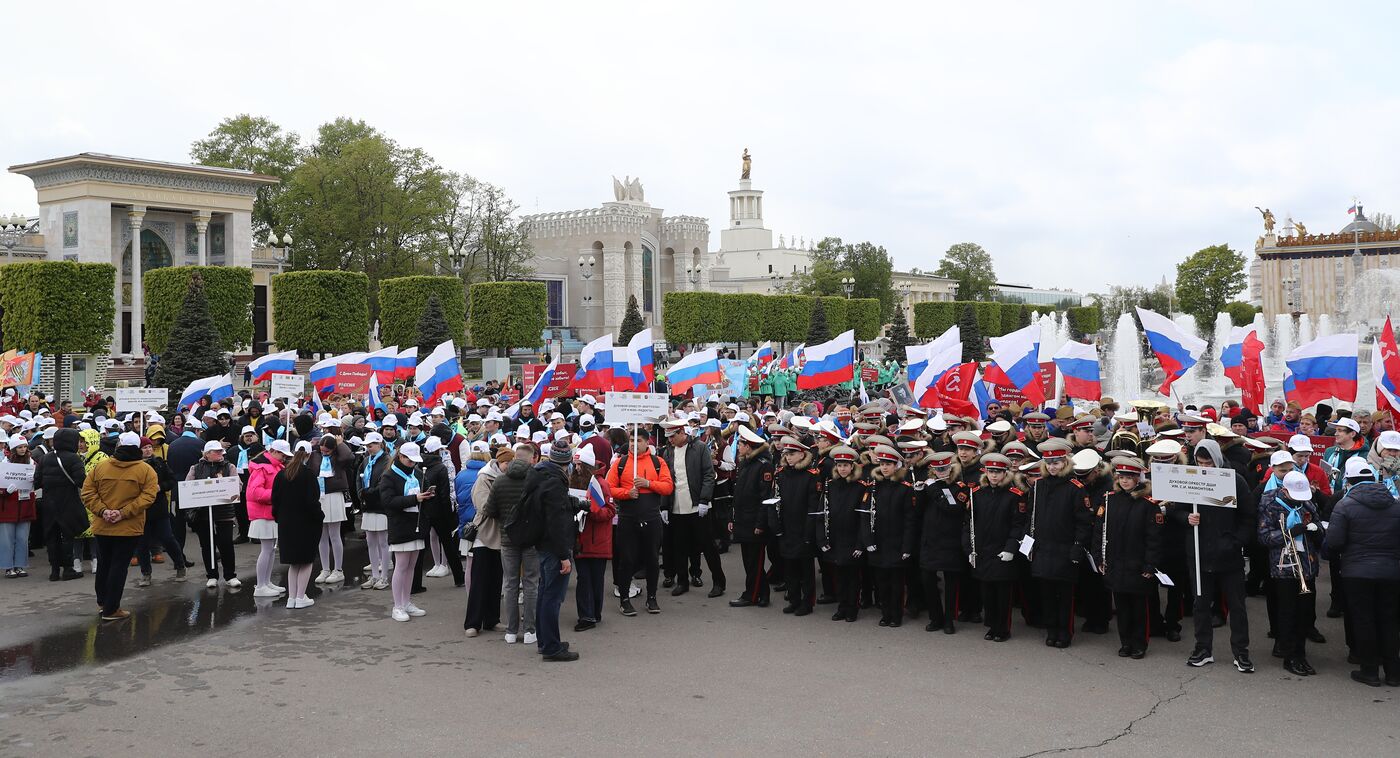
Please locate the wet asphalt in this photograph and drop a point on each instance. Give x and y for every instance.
(198, 670)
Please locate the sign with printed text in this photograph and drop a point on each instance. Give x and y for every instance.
(1193, 484)
(141, 399)
(353, 378)
(202, 493)
(1013, 395)
(637, 407)
(287, 386)
(558, 385)
(17, 477)
(869, 374)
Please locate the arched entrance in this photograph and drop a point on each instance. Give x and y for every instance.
(154, 254)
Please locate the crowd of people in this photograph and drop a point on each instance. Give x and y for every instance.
(864, 507)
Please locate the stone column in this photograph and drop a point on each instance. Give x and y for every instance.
(201, 228)
(614, 289)
(680, 261)
(117, 293)
(705, 265)
(135, 216)
(634, 280)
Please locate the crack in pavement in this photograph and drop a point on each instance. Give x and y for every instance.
(1161, 701)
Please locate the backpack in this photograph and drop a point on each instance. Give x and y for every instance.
(527, 527)
(621, 463)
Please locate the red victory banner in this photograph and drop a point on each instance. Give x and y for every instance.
(353, 378)
(563, 377)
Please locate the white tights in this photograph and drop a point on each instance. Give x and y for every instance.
(378, 543)
(402, 582)
(265, 562)
(435, 544)
(331, 545)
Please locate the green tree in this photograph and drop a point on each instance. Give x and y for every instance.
(252, 143)
(507, 314)
(321, 311)
(972, 267)
(57, 307)
(973, 348)
(1024, 319)
(1119, 300)
(432, 327)
(817, 331)
(193, 350)
(867, 263)
(480, 229)
(631, 321)
(898, 337)
(1241, 314)
(1208, 280)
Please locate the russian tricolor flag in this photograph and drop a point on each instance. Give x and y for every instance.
(405, 364)
(918, 356)
(935, 365)
(1079, 365)
(536, 393)
(595, 366)
(323, 375)
(596, 500)
(385, 363)
(762, 356)
(1324, 368)
(438, 374)
(700, 367)
(1016, 363)
(829, 363)
(788, 361)
(216, 387)
(634, 369)
(1176, 350)
(273, 363)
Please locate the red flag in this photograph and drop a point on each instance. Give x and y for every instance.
(1252, 365)
(953, 390)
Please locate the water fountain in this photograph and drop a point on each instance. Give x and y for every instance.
(1282, 345)
(1221, 338)
(1125, 367)
(1324, 325)
(1305, 330)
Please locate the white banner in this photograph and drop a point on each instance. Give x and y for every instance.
(636, 407)
(287, 386)
(200, 493)
(141, 399)
(1193, 484)
(17, 477)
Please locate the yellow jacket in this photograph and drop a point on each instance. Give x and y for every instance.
(129, 486)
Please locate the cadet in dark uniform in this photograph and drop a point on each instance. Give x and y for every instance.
(1166, 616)
(793, 519)
(1091, 597)
(940, 541)
(1128, 549)
(753, 484)
(892, 532)
(1061, 524)
(969, 449)
(995, 525)
(845, 530)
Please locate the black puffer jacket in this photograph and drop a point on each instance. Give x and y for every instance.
(753, 483)
(406, 519)
(60, 475)
(1365, 533)
(505, 495)
(439, 509)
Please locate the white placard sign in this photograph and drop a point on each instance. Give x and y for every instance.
(637, 407)
(201, 493)
(287, 386)
(1193, 484)
(17, 477)
(141, 399)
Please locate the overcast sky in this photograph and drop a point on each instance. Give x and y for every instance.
(1083, 144)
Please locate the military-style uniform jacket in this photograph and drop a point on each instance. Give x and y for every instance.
(753, 483)
(794, 519)
(942, 513)
(845, 527)
(1129, 529)
(892, 511)
(1061, 524)
(995, 524)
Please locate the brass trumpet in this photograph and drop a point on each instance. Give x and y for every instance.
(1289, 558)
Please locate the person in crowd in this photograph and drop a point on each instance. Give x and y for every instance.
(402, 492)
(692, 467)
(214, 524)
(440, 511)
(753, 486)
(891, 530)
(373, 519)
(296, 508)
(940, 546)
(263, 469)
(1363, 535)
(334, 463)
(798, 491)
(556, 550)
(519, 565)
(117, 493)
(17, 514)
(157, 533)
(639, 481)
(1128, 526)
(995, 525)
(60, 475)
(1290, 527)
(595, 541)
(248, 447)
(484, 589)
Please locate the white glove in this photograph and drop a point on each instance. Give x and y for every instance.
(826, 548)
(904, 557)
(870, 549)
(971, 557)
(702, 509)
(726, 466)
(666, 517)
(1005, 556)
(1312, 526)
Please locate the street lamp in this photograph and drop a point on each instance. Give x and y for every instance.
(281, 249)
(848, 285)
(693, 275)
(1290, 294)
(457, 259)
(11, 230)
(775, 282)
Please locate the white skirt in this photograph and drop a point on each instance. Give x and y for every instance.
(262, 529)
(333, 504)
(374, 522)
(405, 547)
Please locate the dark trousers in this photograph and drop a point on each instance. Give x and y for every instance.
(1231, 585)
(484, 597)
(113, 558)
(801, 576)
(826, 574)
(59, 545)
(1029, 594)
(445, 532)
(223, 544)
(1166, 615)
(553, 587)
(775, 561)
(690, 538)
(996, 607)
(1373, 607)
(1296, 615)
(914, 588)
(969, 596)
(589, 597)
(1057, 610)
(240, 514)
(847, 590)
(1133, 610)
(636, 544)
(942, 606)
(158, 534)
(889, 589)
(1258, 568)
(1091, 598)
(755, 579)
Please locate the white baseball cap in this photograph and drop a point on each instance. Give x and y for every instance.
(586, 456)
(1297, 485)
(432, 445)
(410, 451)
(132, 439)
(1299, 443)
(1280, 457)
(281, 446)
(1357, 466)
(209, 447)
(374, 438)
(1389, 440)
(1346, 422)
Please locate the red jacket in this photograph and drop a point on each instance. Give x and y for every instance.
(596, 541)
(15, 509)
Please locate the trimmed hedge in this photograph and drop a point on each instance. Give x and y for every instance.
(935, 318)
(835, 312)
(988, 317)
(863, 315)
(228, 290)
(507, 314)
(742, 317)
(786, 318)
(321, 311)
(57, 307)
(403, 299)
(693, 318)
(1084, 319)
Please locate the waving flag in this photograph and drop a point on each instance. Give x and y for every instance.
(405, 364)
(385, 363)
(918, 356)
(438, 374)
(762, 356)
(700, 367)
(1385, 367)
(597, 502)
(374, 400)
(634, 370)
(536, 393)
(216, 387)
(1243, 361)
(323, 373)
(788, 361)
(1079, 364)
(981, 395)
(948, 357)
(273, 363)
(1324, 368)
(1176, 350)
(1016, 363)
(829, 363)
(954, 390)
(595, 366)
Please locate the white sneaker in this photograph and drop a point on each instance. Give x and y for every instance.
(368, 568)
(415, 611)
(530, 638)
(305, 602)
(322, 577)
(438, 571)
(233, 583)
(381, 584)
(212, 584)
(368, 584)
(280, 590)
(78, 565)
(472, 632)
(399, 614)
(94, 565)
(293, 604)
(335, 576)
(510, 638)
(266, 592)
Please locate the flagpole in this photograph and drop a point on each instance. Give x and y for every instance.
(1196, 539)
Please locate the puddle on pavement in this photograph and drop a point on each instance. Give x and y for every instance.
(154, 622)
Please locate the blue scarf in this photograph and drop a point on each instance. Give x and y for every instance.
(1294, 518)
(325, 469)
(369, 468)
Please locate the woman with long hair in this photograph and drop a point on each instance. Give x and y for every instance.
(595, 542)
(401, 493)
(296, 507)
(332, 459)
(484, 589)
